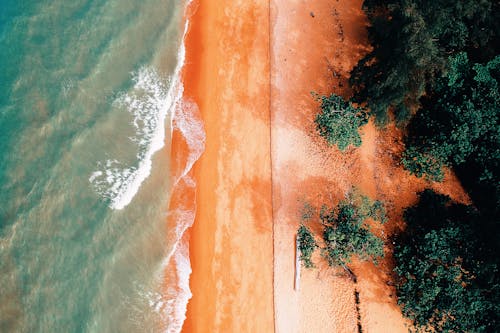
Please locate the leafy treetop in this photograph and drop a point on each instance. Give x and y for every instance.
(447, 268)
(339, 121)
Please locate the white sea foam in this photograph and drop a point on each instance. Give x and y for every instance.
(149, 102)
(171, 304)
(187, 120)
(176, 297)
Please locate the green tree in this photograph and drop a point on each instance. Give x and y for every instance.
(458, 122)
(347, 234)
(339, 121)
(345, 231)
(411, 41)
(447, 268)
(307, 245)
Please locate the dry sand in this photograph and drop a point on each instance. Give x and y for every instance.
(263, 161)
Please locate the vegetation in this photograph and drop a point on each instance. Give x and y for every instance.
(307, 245)
(458, 122)
(339, 121)
(411, 43)
(447, 265)
(434, 69)
(345, 232)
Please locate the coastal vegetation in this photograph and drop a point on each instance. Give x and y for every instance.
(346, 234)
(339, 121)
(411, 42)
(446, 262)
(307, 245)
(434, 69)
(346, 231)
(458, 122)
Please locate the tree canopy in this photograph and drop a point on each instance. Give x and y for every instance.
(411, 42)
(459, 122)
(339, 121)
(346, 231)
(346, 234)
(307, 245)
(447, 267)
(435, 66)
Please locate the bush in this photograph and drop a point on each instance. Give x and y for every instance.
(307, 245)
(411, 41)
(423, 164)
(339, 121)
(346, 234)
(345, 231)
(458, 123)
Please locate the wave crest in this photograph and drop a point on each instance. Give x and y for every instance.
(149, 102)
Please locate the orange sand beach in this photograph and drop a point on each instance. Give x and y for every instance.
(231, 246)
(250, 68)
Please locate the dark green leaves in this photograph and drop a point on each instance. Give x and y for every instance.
(307, 245)
(411, 42)
(346, 231)
(447, 277)
(339, 121)
(346, 234)
(457, 120)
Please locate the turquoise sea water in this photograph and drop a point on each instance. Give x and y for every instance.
(87, 88)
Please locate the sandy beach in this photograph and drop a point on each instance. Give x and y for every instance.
(250, 68)
(231, 247)
(314, 47)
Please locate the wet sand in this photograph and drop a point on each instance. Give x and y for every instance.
(263, 161)
(231, 246)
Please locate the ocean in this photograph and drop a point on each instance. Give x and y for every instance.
(89, 90)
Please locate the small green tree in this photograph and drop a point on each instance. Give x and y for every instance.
(423, 163)
(366, 207)
(345, 233)
(307, 245)
(339, 121)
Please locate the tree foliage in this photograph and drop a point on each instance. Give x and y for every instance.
(347, 234)
(437, 64)
(339, 121)
(411, 42)
(458, 122)
(307, 245)
(345, 231)
(448, 268)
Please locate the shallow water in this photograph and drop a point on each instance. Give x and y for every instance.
(87, 89)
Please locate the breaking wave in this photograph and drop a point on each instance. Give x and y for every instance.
(149, 102)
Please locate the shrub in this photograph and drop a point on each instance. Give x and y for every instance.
(346, 234)
(459, 123)
(307, 245)
(345, 231)
(339, 121)
(446, 262)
